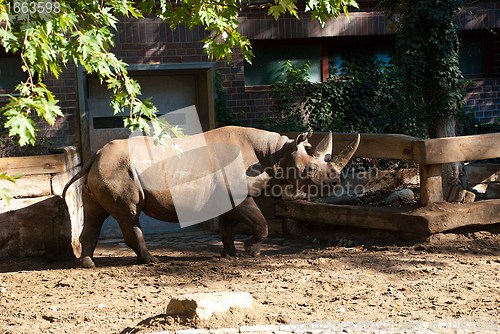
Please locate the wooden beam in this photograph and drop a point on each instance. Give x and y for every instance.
(29, 186)
(43, 164)
(431, 184)
(325, 70)
(454, 149)
(390, 146)
(382, 218)
(446, 216)
(421, 222)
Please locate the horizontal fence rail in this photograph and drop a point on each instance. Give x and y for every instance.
(430, 154)
(428, 151)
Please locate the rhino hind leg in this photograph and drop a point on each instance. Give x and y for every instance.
(251, 215)
(94, 218)
(133, 237)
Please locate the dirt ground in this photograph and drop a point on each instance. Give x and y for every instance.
(295, 281)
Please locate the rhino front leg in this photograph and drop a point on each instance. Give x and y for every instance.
(255, 219)
(251, 215)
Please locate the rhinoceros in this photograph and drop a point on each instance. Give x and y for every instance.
(134, 175)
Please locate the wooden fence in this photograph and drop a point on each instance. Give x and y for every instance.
(430, 154)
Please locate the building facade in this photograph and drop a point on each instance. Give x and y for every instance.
(173, 68)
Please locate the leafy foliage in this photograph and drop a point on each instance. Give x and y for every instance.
(83, 32)
(363, 96)
(427, 53)
(467, 124)
(422, 87)
(4, 192)
(224, 116)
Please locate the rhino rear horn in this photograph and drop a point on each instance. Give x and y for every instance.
(341, 160)
(325, 146)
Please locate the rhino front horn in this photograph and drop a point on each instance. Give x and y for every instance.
(325, 146)
(341, 160)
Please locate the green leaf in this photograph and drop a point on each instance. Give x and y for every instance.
(23, 126)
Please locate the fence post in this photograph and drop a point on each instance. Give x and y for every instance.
(431, 184)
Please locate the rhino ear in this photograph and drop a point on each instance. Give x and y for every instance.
(325, 146)
(343, 158)
(303, 136)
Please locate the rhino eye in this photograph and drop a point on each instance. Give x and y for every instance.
(310, 170)
(328, 157)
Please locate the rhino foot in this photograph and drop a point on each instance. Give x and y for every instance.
(148, 259)
(86, 262)
(253, 248)
(231, 253)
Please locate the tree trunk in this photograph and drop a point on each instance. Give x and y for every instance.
(454, 179)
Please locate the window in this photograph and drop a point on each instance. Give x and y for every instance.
(472, 56)
(336, 56)
(267, 65)
(271, 55)
(11, 73)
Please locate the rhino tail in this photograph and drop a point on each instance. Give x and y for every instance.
(85, 169)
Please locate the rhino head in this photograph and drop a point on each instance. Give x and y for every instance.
(310, 171)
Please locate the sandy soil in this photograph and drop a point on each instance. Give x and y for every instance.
(295, 281)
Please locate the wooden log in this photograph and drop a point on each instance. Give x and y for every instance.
(43, 164)
(431, 184)
(455, 149)
(389, 146)
(71, 156)
(29, 186)
(446, 216)
(420, 222)
(382, 218)
(482, 173)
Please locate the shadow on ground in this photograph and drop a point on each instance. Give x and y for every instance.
(199, 248)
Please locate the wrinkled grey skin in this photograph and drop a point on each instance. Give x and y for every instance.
(111, 186)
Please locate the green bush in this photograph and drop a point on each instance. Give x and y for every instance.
(467, 124)
(364, 97)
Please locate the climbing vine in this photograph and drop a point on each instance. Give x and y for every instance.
(363, 95)
(421, 93)
(427, 54)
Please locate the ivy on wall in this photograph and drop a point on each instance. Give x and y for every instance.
(365, 95)
(421, 93)
(427, 53)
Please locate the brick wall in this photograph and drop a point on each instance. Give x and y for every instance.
(484, 99)
(151, 41)
(66, 129)
(483, 96)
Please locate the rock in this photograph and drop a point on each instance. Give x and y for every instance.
(400, 196)
(225, 331)
(481, 188)
(203, 305)
(457, 194)
(192, 331)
